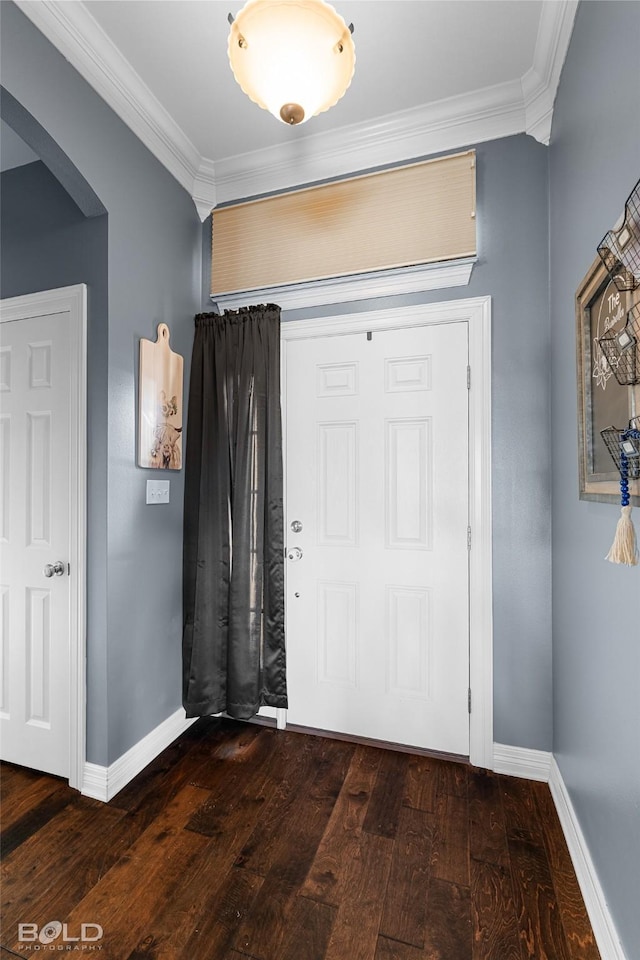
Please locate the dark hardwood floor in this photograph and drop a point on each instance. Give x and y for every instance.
(241, 841)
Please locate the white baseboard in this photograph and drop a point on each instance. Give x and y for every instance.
(541, 765)
(102, 783)
(601, 921)
(521, 762)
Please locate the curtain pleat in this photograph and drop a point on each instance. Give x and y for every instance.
(233, 641)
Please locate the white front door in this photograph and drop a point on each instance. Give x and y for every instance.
(377, 475)
(36, 382)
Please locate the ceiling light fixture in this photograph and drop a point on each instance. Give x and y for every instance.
(294, 58)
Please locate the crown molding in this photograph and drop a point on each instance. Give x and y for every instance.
(449, 124)
(540, 82)
(205, 194)
(82, 41)
(518, 106)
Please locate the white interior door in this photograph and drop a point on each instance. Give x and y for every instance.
(35, 386)
(378, 572)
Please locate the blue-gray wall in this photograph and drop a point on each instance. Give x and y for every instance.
(47, 241)
(513, 269)
(594, 164)
(154, 276)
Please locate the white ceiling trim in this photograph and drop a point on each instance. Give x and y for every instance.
(540, 82)
(519, 106)
(486, 114)
(361, 286)
(205, 194)
(83, 42)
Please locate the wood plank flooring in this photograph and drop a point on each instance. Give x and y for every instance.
(240, 841)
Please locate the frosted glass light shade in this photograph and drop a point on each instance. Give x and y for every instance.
(294, 58)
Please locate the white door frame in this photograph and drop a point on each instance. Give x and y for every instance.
(477, 313)
(74, 301)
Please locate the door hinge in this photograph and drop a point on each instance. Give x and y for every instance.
(468, 538)
(468, 377)
(469, 700)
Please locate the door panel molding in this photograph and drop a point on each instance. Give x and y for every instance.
(71, 300)
(477, 313)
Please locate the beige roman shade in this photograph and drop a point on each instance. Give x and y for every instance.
(416, 214)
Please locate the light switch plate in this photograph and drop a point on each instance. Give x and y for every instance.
(158, 491)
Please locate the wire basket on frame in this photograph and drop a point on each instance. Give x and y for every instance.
(619, 249)
(624, 448)
(622, 349)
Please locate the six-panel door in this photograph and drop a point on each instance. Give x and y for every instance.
(377, 474)
(34, 533)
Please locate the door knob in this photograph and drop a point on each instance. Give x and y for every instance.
(295, 553)
(296, 526)
(54, 569)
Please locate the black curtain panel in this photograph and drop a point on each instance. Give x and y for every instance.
(233, 643)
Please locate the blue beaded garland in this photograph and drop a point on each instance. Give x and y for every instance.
(624, 467)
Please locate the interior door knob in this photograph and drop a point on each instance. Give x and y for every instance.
(295, 553)
(54, 569)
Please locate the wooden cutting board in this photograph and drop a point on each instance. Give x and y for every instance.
(160, 404)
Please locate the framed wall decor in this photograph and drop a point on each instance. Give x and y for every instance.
(160, 404)
(602, 401)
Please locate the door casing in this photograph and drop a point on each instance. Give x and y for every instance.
(73, 300)
(477, 313)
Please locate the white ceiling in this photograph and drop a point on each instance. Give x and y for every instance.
(407, 53)
(430, 75)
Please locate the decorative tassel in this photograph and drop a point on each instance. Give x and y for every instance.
(624, 548)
